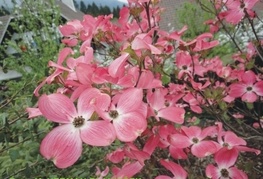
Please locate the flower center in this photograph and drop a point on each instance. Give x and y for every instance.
(167, 104)
(224, 173)
(184, 67)
(249, 88)
(195, 140)
(114, 114)
(242, 5)
(225, 145)
(78, 121)
(156, 112)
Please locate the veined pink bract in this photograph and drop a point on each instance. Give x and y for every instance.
(63, 145)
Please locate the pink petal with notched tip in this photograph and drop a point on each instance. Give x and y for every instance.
(127, 81)
(103, 173)
(203, 45)
(237, 90)
(143, 108)
(183, 59)
(89, 55)
(72, 62)
(63, 145)
(147, 80)
(130, 100)
(101, 75)
(63, 54)
(78, 91)
(57, 66)
(174, 114)
(130, 79)
(204, 148)
(57, 108)
(156, 99)
(102, 101)
(232, 139)
(210, 131)
(128, 170)
(141, 156)
(33, 112)
(84, 73)
(177, 153)
(226, 158)
(236, 173)
(249, 77)
(116, 68)
(189, 98)
(124, 15)
(98, 133)
(258, 88)
(180, 141)
(234, 16)
(212, 172)
(67, 30)
(71, 42)
(129, 126)
(164, 132)
(247, 149)
(151, 144)
(140, 42)
(154, 49)
(92, 97)
(192, 131)
(196, 109)
(177, 170)
(116, 156)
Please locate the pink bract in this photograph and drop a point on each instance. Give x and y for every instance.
(63, 145)
(248, 88)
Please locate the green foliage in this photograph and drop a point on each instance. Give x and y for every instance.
(192, 15)
(4, 11)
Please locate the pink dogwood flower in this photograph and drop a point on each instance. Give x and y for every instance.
(158, 109)
(126, 115)
(248, 88)
(194, 104)
(144, 41)
(230, 141)
(225, 168)
(193, 136)
(63, 145)
(236, 10)
(188, 65)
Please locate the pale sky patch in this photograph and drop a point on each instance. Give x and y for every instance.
(123, 1)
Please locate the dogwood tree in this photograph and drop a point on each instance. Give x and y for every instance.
(159, 118)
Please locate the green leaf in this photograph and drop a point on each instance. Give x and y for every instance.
(222, 105)
(14, 154)
(197, 121)
(166, 79)
(250, 105)
(3, 116)
(27, 171)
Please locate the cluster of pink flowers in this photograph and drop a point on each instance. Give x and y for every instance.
(128, 99)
